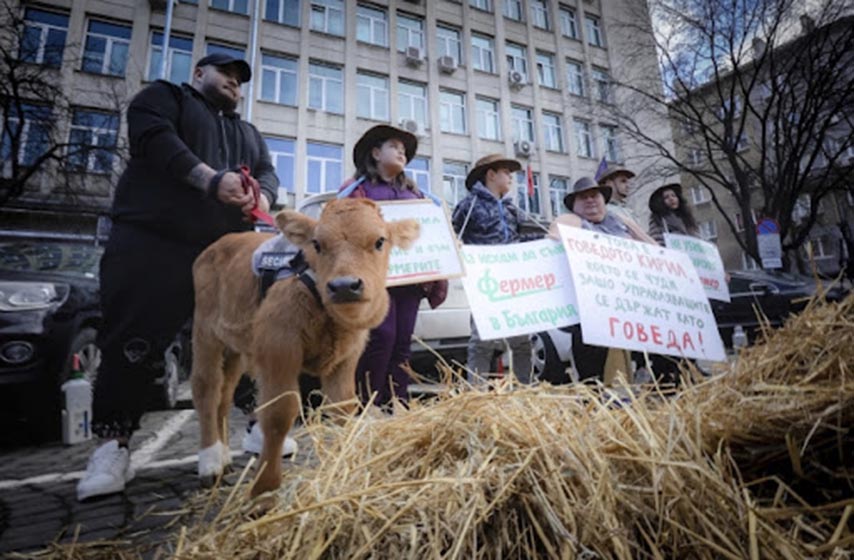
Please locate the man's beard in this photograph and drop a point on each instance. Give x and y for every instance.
(219, 100)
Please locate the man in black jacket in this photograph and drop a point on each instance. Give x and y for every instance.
(179, 193)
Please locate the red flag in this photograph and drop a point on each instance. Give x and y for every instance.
(530, 182)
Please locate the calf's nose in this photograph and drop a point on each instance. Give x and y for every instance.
(345, 288)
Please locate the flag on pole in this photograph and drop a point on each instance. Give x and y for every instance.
(603, 166)
(530, 182)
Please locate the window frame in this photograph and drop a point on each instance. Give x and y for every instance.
(602, 85)
(325, 86)
(445, 42)
(556, 195)
(593, 30)
(411, 100)
(170, 53)
(575, 80)
(611, 143)
(280, 73)
(230, 7)
(478, 53)
(451, 181)
(518, 59)
(285, 187)
(541, 67)
(363, 14)
(281, 8)
(540, 13)
(375, 95)
(324, 162)
(420, 176)
(553, 130)
(332, 11)
(508, 13)
(45, 30)
(107, 54)
(444, 105)
(91, 153)
(583, 132)
(408, 31)
(568, 22)
(521, 121)
(483, 115)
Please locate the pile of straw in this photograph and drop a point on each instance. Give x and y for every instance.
(750, 464)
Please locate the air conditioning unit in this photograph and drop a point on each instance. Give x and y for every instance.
(516, 78)
(524, 148)
(447, 64)
(414, 56)
(411, 126)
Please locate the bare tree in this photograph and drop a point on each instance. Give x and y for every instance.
(761, 95)
(37, 135)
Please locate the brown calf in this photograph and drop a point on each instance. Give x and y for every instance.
(289, 331)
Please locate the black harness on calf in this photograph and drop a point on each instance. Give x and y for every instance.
(281, 265)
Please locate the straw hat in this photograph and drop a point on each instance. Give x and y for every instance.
(492, 161)
(675, 187)
(614, 171)
(582, 185)
(380, 133)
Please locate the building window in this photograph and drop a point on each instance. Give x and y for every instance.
(743, 142)
(233, 52)
(325, 88)
(517, 58)
(410, 32)
(529, 199)
(449, 43)
(92, 141)
(372, 26)
(513, 9)
(236, 6)
(695, 157)
(327, 16)
(412, 102)
(699, 194)
(323, 167)
(419, 171)
(485, 5)
(594, 31)
(454, 181)
(279, 79)
(32, 133)
(482, 53)
(568, 22)
(523, 123)
(575, 77)
(546, 69)
(43, 41)
(540, 14)
(285, 12)
(488, 119)
(372, 96)
(553, 132)
(558, 188)
(602, 85)
(282, 156)
(709, 230)
(107, 46)
(610, 143)
(452, 112)
(179, 58)
(748, 263)
(583, 139)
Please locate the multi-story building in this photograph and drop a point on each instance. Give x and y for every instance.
(531, 78)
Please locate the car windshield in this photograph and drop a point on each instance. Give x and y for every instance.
(50, 256)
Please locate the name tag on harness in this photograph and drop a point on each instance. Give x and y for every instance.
(275, 260)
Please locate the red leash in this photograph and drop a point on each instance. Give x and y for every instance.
(250, 184)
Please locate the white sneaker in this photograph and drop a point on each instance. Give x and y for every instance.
(253, 442)
(107, 472)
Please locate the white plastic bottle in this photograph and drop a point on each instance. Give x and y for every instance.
(77, 415)
(739, 337)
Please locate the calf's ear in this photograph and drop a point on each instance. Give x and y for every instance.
(404, 233)
(297, 227)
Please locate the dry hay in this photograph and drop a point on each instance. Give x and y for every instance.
(751, 464)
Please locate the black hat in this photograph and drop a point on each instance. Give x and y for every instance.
(380, 133)
(675, 187)
(223, 59)
(585, 184)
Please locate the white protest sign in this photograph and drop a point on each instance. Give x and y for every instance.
(707, 261)
(434, 255)
(638, 296)
(519, 289)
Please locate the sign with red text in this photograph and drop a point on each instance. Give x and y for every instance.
(639, 296)
(519, 289)
(707, 261)
(434, 255)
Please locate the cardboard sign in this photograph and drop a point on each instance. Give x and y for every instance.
(638, 296)
(519, 289)
(434, 255)
(707, 261)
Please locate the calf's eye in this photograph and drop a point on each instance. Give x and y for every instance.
(316, 245)
(379, 244)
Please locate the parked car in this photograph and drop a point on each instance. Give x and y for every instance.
(775, 295)
(50, 311)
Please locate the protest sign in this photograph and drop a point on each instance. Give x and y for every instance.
(434, 255)
(640, 297)
(707, 261)
(519, 289)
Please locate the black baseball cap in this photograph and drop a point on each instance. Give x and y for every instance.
(223, 59)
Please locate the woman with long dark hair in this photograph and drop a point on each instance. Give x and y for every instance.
(670, 213)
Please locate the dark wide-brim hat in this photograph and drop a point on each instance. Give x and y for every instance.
(379, 134)
(585, 184)
(675, 187)
(614, 171)
(223, 59)
(492, 161)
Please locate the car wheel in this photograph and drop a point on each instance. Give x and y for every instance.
(545, 361)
